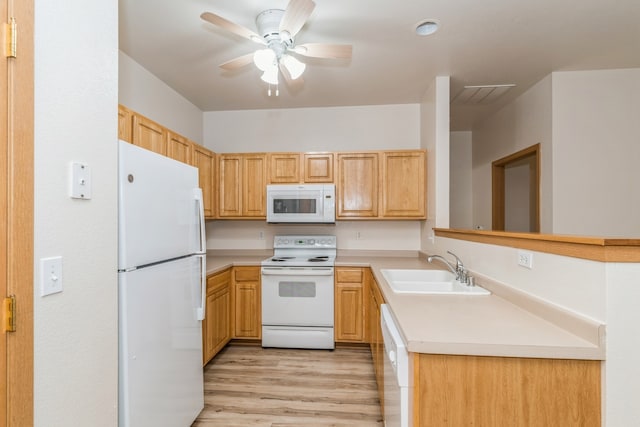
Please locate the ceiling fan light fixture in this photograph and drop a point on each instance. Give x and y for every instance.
(293, 66)
(270, 75)
(427, 27)
(264, 59)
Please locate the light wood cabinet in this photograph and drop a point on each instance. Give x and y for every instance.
(357, 187)
(149, 134)
(125, 124)
(349, 304)
(247, 303)
(303, 168)
(374, 329)
(381, 185)
(403, 184)
(216, 327)
(205, 161)
(318, 167)
(242, 186)
(452, 390)
(284, 168)
(179, 148)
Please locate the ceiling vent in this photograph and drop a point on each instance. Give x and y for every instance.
(482, 94)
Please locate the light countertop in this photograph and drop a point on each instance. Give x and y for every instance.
(506, 323)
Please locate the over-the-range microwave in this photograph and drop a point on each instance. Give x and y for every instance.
(301, 203)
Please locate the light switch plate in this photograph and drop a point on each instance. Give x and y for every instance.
(50, 275)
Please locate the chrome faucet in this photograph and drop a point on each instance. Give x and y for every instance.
(458, 270)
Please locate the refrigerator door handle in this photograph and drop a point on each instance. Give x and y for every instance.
(197, 193)
(200, 311)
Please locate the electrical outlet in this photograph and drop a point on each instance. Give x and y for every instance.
(261, 235)
(525, 259)
(358, 235)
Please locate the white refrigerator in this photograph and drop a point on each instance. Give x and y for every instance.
(161, 285)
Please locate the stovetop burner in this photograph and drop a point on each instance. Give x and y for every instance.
(323, 258)
(281, 258)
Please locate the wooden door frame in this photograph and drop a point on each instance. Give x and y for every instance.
(16, 204)
(498, 186)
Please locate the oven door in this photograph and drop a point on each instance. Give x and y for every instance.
(297, 296)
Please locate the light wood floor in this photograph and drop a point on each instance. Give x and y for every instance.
(252, 386)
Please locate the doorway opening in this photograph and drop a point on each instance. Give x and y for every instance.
(515, 181)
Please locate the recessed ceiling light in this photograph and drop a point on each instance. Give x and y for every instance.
(427, 27)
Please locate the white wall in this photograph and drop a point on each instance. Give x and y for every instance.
(352, 235)
(377, 127)
(596, 152)
(76, 97)
(521, 124)
(434, 137)
(460, 182)
(517, 206)
(146, 94)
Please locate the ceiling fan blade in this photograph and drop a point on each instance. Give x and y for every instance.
(323, 50)
(296, 14)
(297, 83)
(231, 26)
(238, 62)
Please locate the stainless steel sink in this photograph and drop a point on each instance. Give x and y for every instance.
(428, 282)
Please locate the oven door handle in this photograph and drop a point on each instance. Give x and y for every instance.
(300, 271)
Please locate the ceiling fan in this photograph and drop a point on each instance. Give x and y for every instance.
(276, 32)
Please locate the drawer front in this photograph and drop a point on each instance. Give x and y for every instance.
(247, 274)
(350, 275)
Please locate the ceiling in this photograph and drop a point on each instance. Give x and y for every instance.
(479, 43)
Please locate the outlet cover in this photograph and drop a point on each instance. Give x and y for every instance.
(525, 259)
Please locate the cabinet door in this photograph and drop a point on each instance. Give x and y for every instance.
(125, 124)
(404, 184)
(205, 161)
(216, 327)
(149, 134)
(229, 185)
(248, 316)
(357, 185)
(284, 168)
(349, 305)
(318, 167)
(179, 148)
(254, 185)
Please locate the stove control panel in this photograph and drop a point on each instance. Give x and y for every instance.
(305, 242)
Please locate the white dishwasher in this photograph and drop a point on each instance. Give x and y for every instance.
(397, 371)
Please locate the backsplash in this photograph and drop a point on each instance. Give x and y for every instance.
(359, 235)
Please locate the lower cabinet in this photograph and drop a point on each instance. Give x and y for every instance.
(216, 328)
(374, 301)
(247, 302)
(349, 307)
(452, 390)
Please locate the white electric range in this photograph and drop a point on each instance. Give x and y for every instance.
(297, 292)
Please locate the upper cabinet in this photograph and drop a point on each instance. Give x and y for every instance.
(403, 184)
(381, 185)
(179, 148)
(300, 168)
(318, 167)
(242, 184)
(125, 123)
(149, 134)
(205, 161)
(284, 168)
(357, 188)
